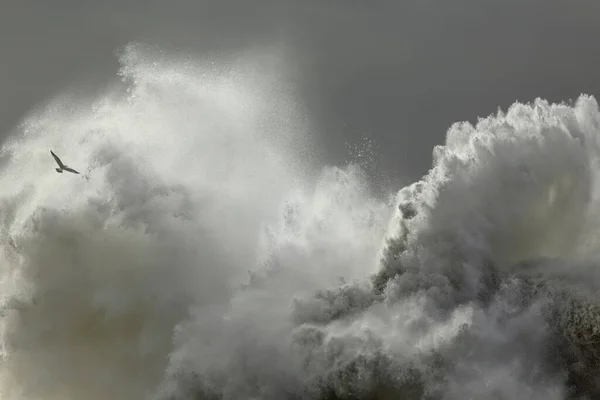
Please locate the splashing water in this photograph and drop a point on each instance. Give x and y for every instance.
(131, 281)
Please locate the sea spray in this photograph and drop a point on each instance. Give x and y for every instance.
(205, 253)
(179, 172)
(452, 312)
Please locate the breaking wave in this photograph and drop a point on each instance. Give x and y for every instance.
(206, 253)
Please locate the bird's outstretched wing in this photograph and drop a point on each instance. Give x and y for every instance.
(60, 164)
(69, 169)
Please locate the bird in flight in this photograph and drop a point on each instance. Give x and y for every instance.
(62, 167)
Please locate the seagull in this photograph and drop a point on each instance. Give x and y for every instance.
(62, 167)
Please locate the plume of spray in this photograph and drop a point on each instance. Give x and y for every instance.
(454, 310)
(185, 167)
(131, 281)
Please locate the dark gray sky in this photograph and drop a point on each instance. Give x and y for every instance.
(400, 70)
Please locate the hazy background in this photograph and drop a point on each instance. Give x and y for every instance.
(373, 67)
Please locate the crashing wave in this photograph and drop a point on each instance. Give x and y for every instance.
(479, 280)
